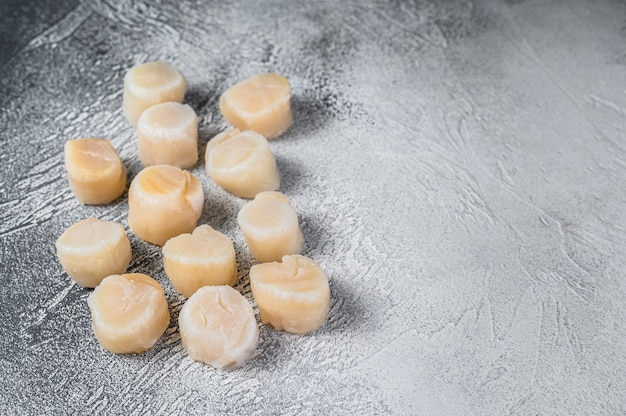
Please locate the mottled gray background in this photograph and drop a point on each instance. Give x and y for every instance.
(458, 167)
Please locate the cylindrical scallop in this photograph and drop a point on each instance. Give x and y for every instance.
(149, 84)
(129, 313)
(242, 163)
(167, 134)
(94, 170)
(270, 227)
(93, 249)
(293, 296)
(202, 258)
(261, 103)
(217, 327)
(163, 202)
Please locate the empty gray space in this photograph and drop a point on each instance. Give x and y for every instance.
(458, 169)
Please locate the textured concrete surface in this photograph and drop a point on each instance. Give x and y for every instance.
(459, 170)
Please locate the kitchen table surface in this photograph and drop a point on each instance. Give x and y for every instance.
(458, 169)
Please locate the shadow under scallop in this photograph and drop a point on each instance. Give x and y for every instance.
(290, 174)
(202, 100)
(314, 233)
(147, 258)
(347, 312)
(271, 349)
(204, 103)
(245, 261)
(309, 115)
(219, 210)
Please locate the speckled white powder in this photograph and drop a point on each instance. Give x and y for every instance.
(456, 168)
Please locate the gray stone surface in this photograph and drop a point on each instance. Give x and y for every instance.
(459, 170)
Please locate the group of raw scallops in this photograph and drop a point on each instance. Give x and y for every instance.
(217, 324)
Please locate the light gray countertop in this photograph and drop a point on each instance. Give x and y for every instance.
(458, 167)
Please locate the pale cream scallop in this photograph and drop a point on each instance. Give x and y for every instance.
(167, 133)
(293, 296)
(129, 313)
(93, 249)
(242, 163)
(163, 202)
(149, 84)
(218, 327)
(261, 103)
(270, 227)
(202, 258)
(94, 170)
